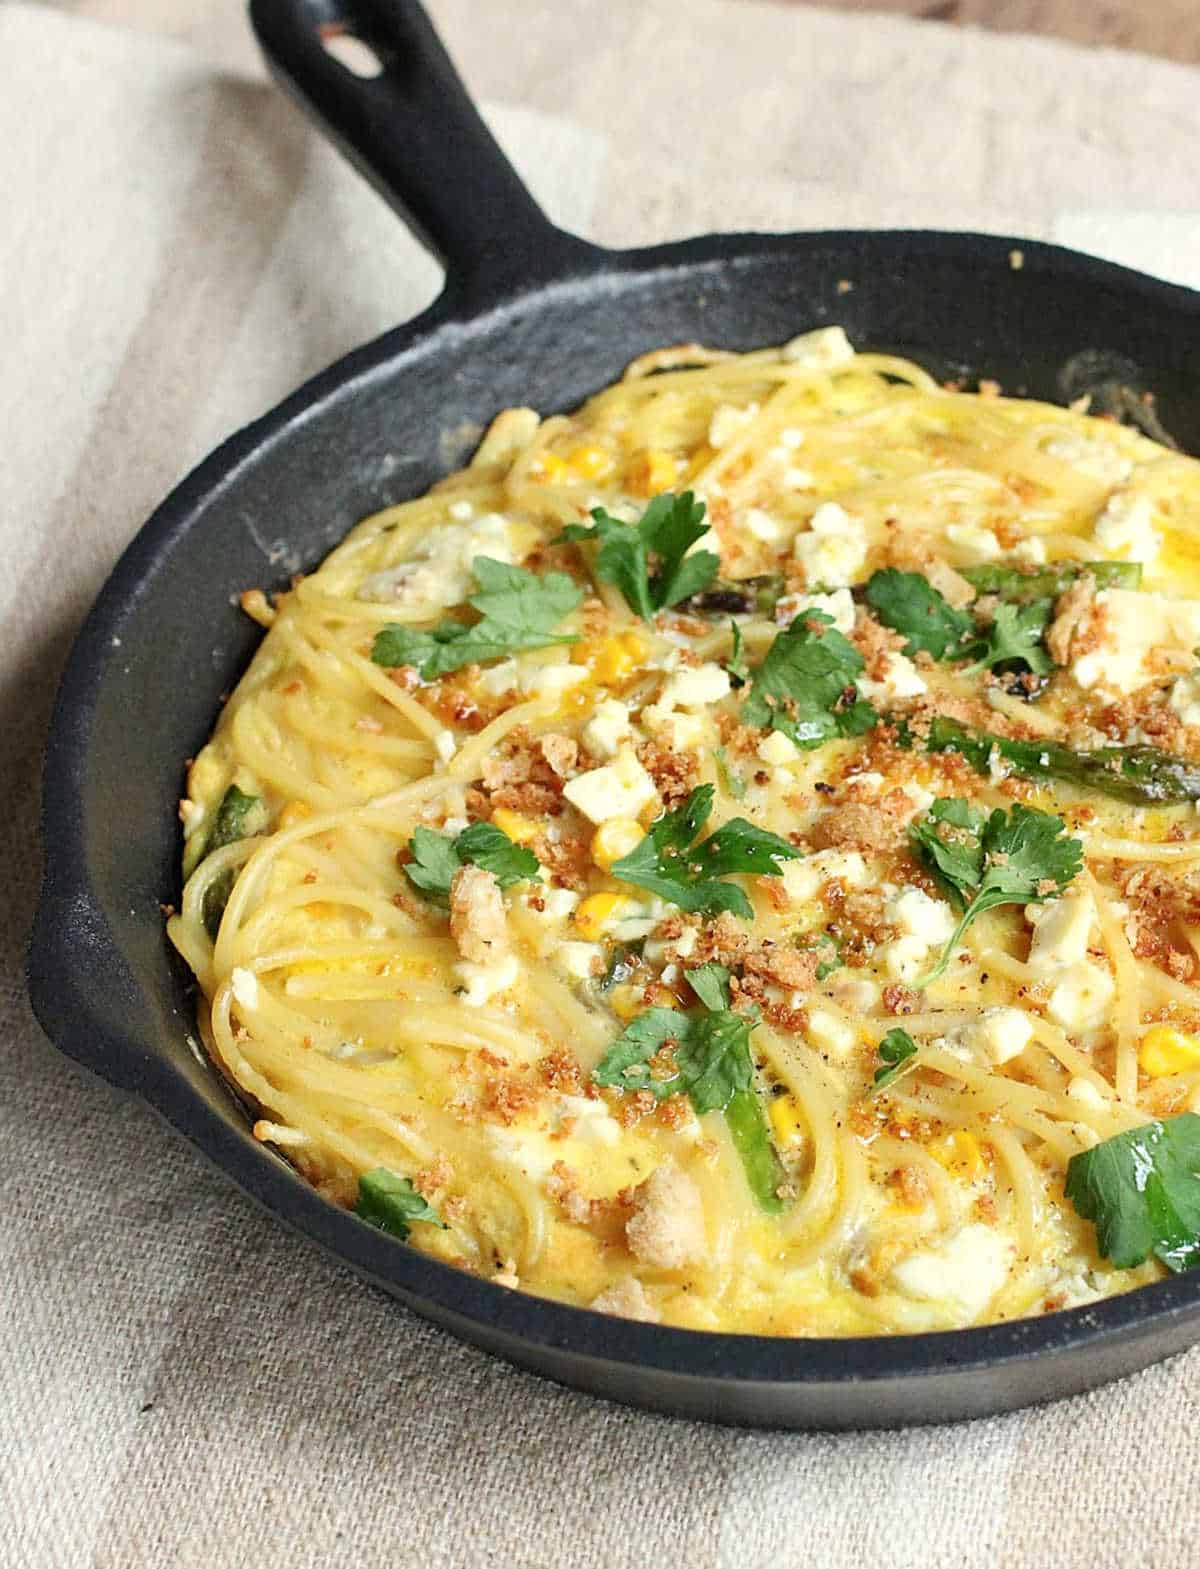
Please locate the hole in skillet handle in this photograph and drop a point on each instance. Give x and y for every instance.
(352, 53)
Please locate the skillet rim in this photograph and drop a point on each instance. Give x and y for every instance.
(67, 904)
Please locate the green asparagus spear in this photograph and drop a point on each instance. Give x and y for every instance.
(1019, 587)
(748, 1130)
(1141, 775)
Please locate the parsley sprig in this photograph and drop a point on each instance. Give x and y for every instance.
(805, 686)
(897, 1054)
(437, 857)
(667, 862)
(518, 610)
(391, 1203)
(648, 560)
(707, 1057)
(1142, 1190)
(909, 604)
(985, 860)
(1016, 633)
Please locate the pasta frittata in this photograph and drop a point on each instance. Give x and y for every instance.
(729, 856)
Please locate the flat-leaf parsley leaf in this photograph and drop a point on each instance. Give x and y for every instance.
(518, 609)
(897, 1054)
(805, 687)
(437, 857)
(707, 1056)
(667, 863)
(1142, 1190)
(1018, 857)
(908, 603)
(391, 1203)
(648, 560)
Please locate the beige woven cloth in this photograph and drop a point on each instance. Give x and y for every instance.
(181, 1381)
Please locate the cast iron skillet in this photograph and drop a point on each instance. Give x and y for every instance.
(529, 315)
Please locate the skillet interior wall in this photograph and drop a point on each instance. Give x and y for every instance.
(388, 433)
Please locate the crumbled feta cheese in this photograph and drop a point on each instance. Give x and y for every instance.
(530, 1152)
(556, 903)
(607, 728)
(1185, 698)
(964, 1273)
(998, 1035)
(973, 543)
(619, 789)
(917, 915)
(698, 687)
(823, 347)
(501, 678)
(1131, 624)
(579, 958)
(924, 923)
(803, 877)
(681, 732)
(830, 1033)
(482, 982)
(834, 549)
(1125, 527)
(1061, 930)
(1085, 1093)
(1096, 458)
(594, 1123)
(1030, 552)
(455, 826)
(445, 746)
(838, 606)
(778, 749)
(856, 992)
(796, 479)
(921, 798)
(900, 679)
(1081, 996)
(439, 573)
(761, 525)
(904, 959)
(244, 986)
(552, 680)
(727, 419)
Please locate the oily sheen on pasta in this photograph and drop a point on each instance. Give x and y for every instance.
(729, 856)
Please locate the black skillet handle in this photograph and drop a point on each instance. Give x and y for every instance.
(416, 135)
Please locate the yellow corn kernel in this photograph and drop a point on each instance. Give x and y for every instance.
(521, 830)
(615, 838)
(650, 472)
(784, 1112)
(590, 462)
(548, 468)
(596, 911)
(626, 1002)
(700, 459)
(960, 1153)
(1165, 1049)
(294, 812)
(619, 657)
